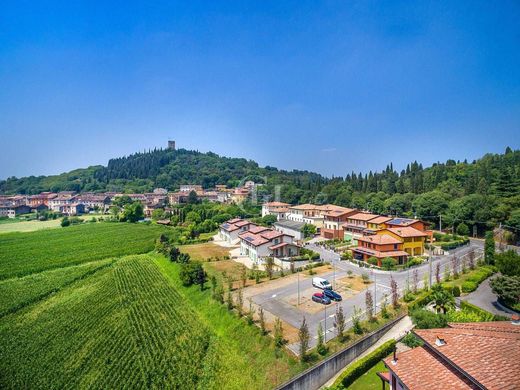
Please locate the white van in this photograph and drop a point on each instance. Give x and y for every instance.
(321, 283)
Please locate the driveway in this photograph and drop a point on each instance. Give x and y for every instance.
(485, 298)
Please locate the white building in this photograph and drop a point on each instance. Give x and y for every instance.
(291, 228)
(260, 242)
(230, 230)
(279, 209)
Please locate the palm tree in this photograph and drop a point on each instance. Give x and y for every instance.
(443, 299)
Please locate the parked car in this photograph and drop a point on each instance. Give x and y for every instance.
(321, 298)
(332, 295)
(321, 283)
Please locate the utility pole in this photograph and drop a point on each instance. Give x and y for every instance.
(298, 286)
(440, 223)
(375, 292)
(325, 327)
(430, 259)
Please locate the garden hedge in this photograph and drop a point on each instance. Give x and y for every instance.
(487, 316)
(358, 368)
(422, 300)
(469, 286)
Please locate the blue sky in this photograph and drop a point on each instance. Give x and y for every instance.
(325, 86)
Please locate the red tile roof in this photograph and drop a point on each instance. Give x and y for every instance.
(380, 239)
(363, 216)
(379, 220)
(406, 232)
(486, 354)
(419, 369)
(276, 204)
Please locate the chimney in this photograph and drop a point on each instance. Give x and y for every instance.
(394, 360)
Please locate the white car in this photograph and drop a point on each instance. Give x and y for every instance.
(321, 283)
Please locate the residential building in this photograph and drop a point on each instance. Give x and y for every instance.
(356, 225)
(291, 228)
(377, 223)
(62, 199)
(42, 198)
(100, 202)
(311, 213)
(39, 208)
(191, 187)
(333, 221)
(279, 209)
(239, 195)
(230, 230)
(477, 355)
(406, 222)
(71, 209)
(259, 242)
(380, 246)
(413, 240)
(13, 211)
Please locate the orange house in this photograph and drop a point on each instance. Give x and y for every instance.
(380, 246)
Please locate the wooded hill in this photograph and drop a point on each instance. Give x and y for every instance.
(485, 191)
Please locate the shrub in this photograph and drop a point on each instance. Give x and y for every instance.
(372, 260)
(455, 291)
(425, 319)
(508, 263)
(388, 263)
(420, 301)
(355, 370)
(411, 340)
(469, 286)
(508, 289)
(481, 313)
(408, 296)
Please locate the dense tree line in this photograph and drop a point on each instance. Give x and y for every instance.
(480, 193)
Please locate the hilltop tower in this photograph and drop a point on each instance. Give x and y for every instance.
(171, 145)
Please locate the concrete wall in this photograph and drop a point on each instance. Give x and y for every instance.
(317, 376)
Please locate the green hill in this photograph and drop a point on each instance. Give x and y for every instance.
(480, 193)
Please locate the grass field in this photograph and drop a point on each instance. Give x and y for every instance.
(25, 253)
(202, 252)
(28, 226)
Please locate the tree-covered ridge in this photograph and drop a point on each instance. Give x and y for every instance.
(485, 191)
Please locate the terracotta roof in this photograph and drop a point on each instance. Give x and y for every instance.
(339, 212)
(380, 239)
(407, 232)
(276, 204)
(419, 369)
(280, 245)
(306, 206)
(489, 352)
(363, 216)
(380, 219)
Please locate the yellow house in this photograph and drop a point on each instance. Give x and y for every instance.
(377, 223)
(413, 240)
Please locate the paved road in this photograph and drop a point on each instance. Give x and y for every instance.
(273, 302)
(485, 298)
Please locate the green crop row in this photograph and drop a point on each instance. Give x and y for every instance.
(123, 327)
(26, 253)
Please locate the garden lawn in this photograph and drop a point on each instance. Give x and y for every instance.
(370, 380)
(25, 253)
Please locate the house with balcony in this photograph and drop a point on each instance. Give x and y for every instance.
(229, 230)
(239, 195)
(413, 240)
(42, 198)
(91, 201)
(279, 209)
(356, 225)
(333, 221)
(380, 246)
(463, 356)
(260, 242)
(377, 223)
(71, 209)
(60, 200)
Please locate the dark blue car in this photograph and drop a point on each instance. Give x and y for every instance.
(332, 295)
